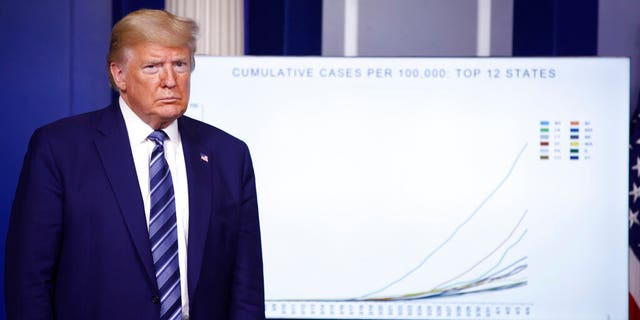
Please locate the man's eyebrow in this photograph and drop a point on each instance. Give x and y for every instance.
(153, 60)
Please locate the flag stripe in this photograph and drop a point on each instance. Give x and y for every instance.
(634, 284)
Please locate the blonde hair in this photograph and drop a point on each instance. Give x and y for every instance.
(152, 26)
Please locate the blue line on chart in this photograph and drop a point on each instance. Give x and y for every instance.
(504, 255)
(473, 213)
(485, 276)
(489, 255)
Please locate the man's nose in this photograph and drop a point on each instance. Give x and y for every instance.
(168, 77)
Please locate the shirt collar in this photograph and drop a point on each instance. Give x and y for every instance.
(138, 130)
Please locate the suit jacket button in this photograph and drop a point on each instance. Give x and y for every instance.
(155, 300)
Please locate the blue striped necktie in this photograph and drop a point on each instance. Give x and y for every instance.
(163, 231)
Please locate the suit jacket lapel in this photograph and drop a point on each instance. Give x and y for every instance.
(113, 146)
(201, 196)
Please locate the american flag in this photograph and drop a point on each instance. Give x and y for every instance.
(634, 219)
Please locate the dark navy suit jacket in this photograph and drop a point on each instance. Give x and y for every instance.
(78, 247)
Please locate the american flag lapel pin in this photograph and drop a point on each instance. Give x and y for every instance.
(204, 157)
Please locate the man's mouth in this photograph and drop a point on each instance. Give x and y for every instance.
(169, 99)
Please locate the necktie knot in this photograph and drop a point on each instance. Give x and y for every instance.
(157, 137)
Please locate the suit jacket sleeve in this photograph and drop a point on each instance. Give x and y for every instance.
(248, 288)
(34, 235)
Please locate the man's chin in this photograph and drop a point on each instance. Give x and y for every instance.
(172, 110)
(172, 116)
(168, 115)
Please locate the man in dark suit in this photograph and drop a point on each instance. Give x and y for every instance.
(135, 211)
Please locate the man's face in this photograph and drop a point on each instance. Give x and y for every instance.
(154, 81)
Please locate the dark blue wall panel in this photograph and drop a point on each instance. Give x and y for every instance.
(283, 27)
(577, 24)
(35, 72)
(121, 8)
(303, 27)
(53, 65)
(265, 27)
(90, 33)
(555, 28)
(533, 28)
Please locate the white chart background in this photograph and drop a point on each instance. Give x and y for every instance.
(405, 175)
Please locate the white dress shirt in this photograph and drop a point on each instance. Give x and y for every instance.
(141, 149)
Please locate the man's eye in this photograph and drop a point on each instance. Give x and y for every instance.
(150, 68)
(181, 66)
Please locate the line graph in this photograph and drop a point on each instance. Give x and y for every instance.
(455, 231)
(491, 253)
(446, 288)
(495, 271)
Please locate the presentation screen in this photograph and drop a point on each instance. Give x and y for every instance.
(433, 188)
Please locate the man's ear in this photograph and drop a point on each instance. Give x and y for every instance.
(117, 73)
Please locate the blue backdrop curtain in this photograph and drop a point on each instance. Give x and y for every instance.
(283, 27)
(121, 8)
(555, 28)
